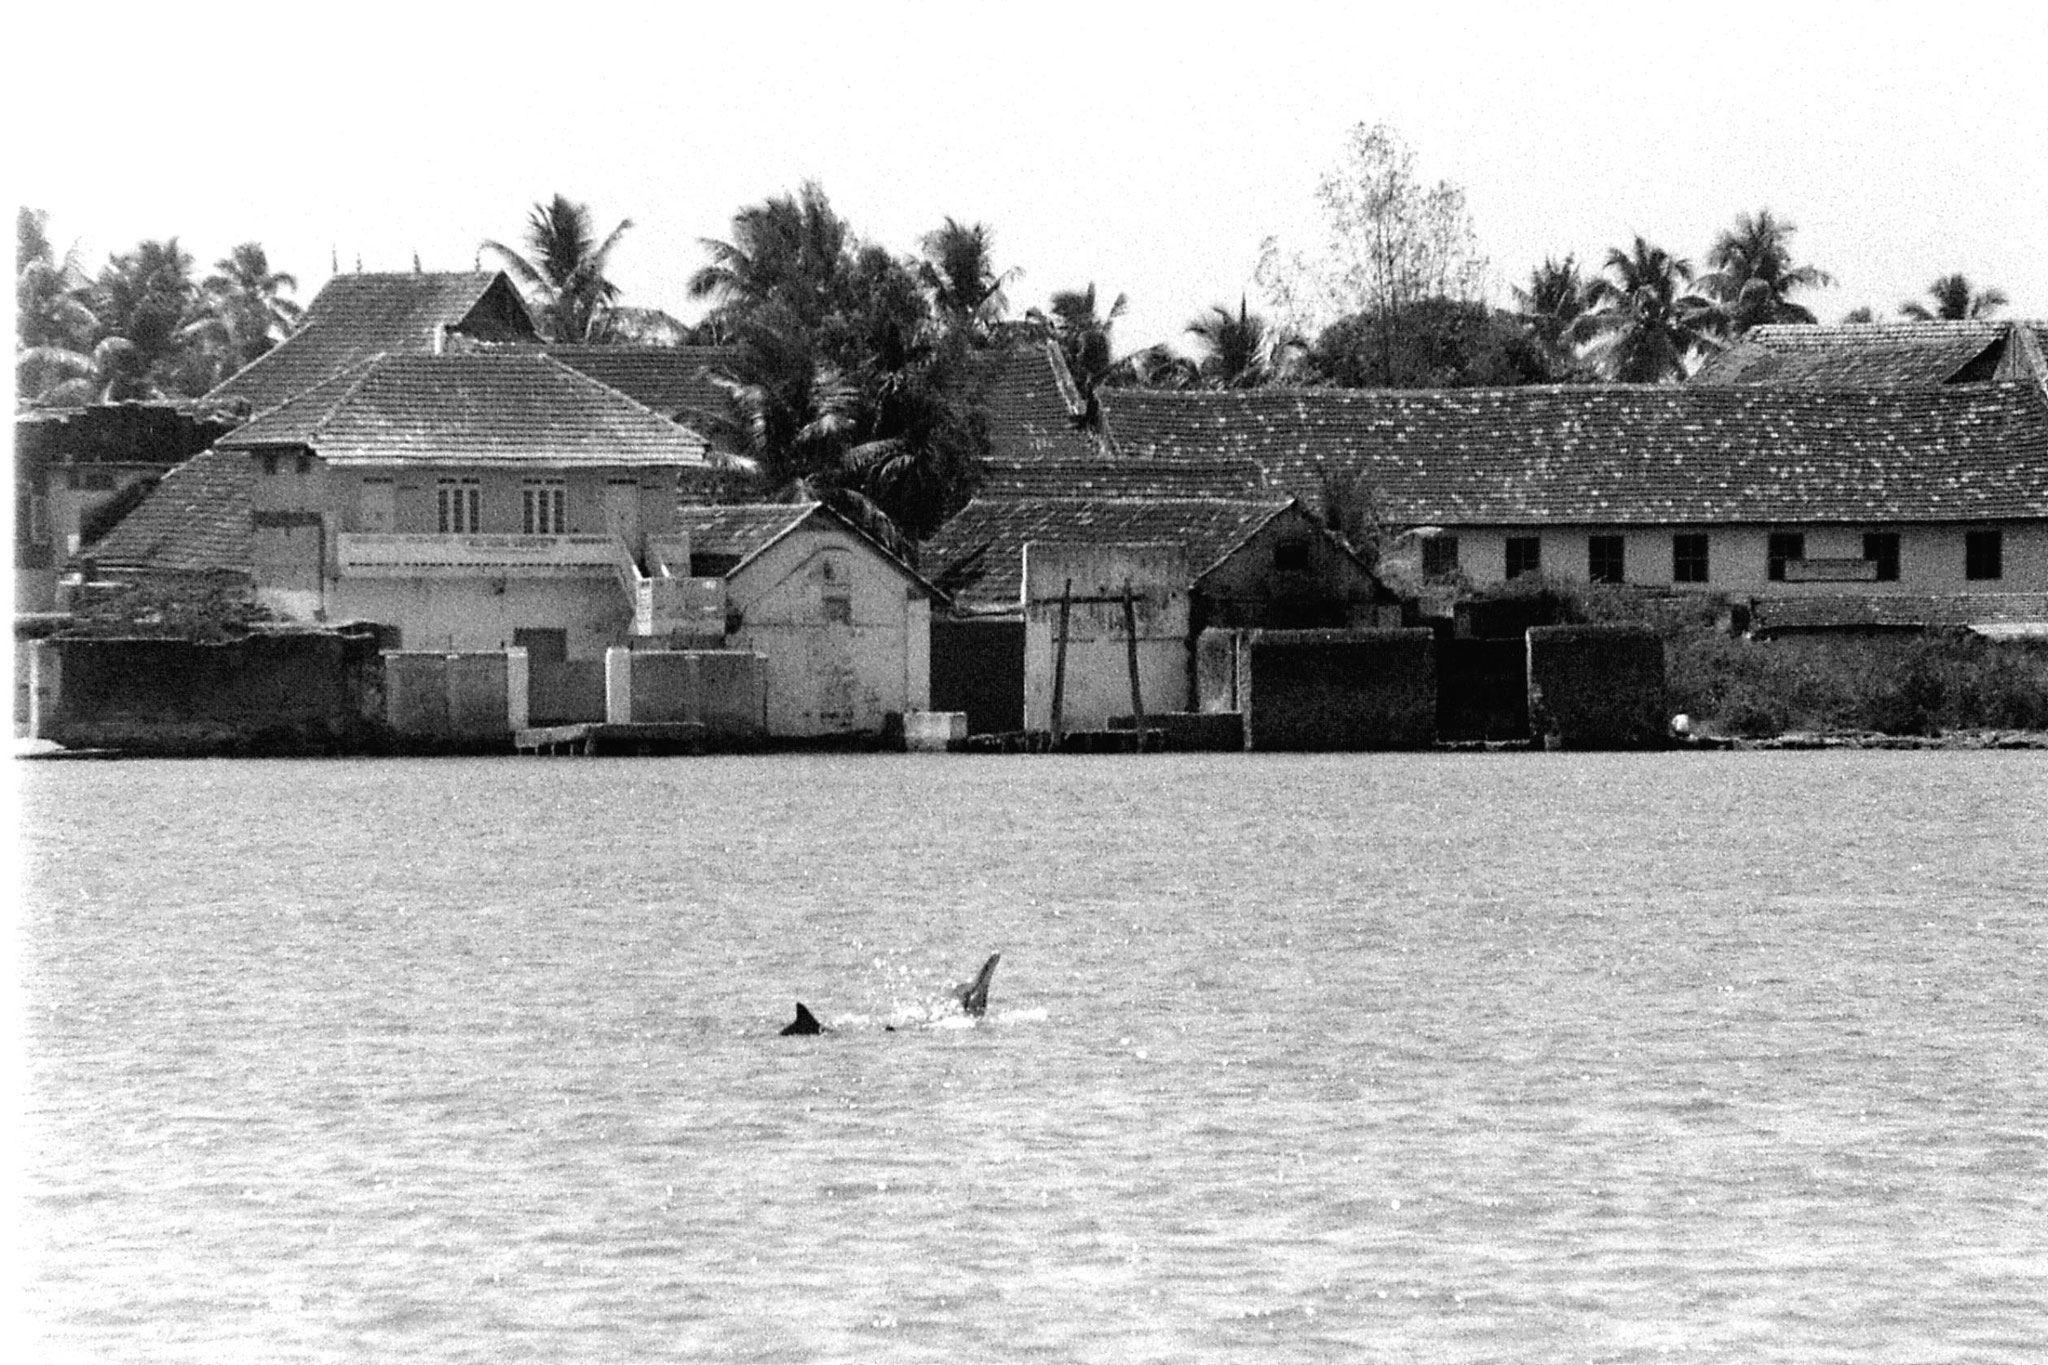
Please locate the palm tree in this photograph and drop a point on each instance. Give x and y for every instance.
(1083, 333)
(564, 274)
(1557, 306)
(246, 311)
(1651, 323)
(1753, 274)
(1240, 350)
(53, 324)
(788, 251)
(959, 270)
(1954, 302)
(145, 302)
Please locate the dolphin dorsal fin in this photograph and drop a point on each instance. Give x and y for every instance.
(974, 995)
(805, 1022)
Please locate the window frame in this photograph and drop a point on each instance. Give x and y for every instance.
(1439, 556)
(1776, 548)
(466, 505)
(1984, 555)
(1615, 561)
(1882, 549)
(544, 506)
(1529, 549)
(1690, 550)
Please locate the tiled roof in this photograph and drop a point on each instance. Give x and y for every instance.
(978, 555)
(1097, 477)
(1033, 405)
(1878, 354)
(1660, 454)
(481, 407)
(357, 316)
(196, 520)
(744, 530)
(673, 380)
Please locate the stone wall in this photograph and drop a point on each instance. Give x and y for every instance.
(1597, 687)
(1337, 689)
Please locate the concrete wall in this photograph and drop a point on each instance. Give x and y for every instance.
(337, 492)
(1337, 689)
(1098, 677)
(1930, 557)
(465, 614)
(473, 700)
(565, 693)
(844, 632)
(271, 693)
(1597, 687)
(724, 690)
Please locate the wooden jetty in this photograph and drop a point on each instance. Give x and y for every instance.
(595, 738)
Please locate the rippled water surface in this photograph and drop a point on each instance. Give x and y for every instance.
(1380, 1058)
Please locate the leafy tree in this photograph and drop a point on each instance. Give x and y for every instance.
(1435, 343)
(959, 270)
(54, 326)
(563, 269)
(1954, 301)
(1651, 322)
(1557, 308)
(1753, 275)
(853, 382)
(1390, 240)
(1239, 350)
(246, 312)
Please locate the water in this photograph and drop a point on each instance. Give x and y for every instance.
(1380, 1058)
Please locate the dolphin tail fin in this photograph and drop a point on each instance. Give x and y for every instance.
(974, 995)
(804, 1024)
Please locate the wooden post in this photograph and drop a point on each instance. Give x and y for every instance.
(1059, 661)
(1131, 649)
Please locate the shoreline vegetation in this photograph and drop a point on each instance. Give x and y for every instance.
(1894, 689)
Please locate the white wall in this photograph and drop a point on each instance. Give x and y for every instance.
(1930, 557)
(480, 613)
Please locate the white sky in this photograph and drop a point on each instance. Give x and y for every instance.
(1145, 148)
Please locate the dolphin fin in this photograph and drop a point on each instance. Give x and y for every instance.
(804, 1024)
(973, 996)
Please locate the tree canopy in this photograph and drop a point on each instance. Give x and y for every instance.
(562, 270)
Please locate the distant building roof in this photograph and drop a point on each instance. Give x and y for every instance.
(480, 407)
(2005, 615)
(675, 381)
(357, 316)
(196, 521)
(1215, 476)
(977, 557)
(1620, 454)
(1881, 354)
(741, 532)
(1034, 408)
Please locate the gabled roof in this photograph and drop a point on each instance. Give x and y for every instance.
(745, 531)
(492, 407)
(1658, 454)
(978, 555)
(1034, 408)
(1880, 354)
(196, 520)
(357, 316)
(673, 380)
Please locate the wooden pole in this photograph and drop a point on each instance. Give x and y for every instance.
(1059, 661)
(1131, 650)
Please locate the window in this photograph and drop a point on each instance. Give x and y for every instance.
(38, 519)
(1525, 555)
(269, 462)
(1439, 556)
(1983, 554)
(1291, 555)
(545, 503)
(1689, 558)
(305, 462)
(1882, 549)
(1784, 545)
(461, 505)
(377, 505)
(1604, 559)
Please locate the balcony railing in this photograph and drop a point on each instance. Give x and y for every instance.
(393, 554)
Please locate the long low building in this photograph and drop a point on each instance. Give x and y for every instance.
(1746, 490)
